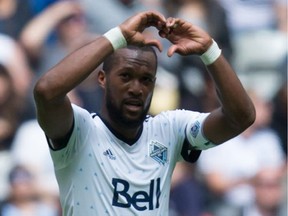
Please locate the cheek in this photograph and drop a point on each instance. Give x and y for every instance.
(148, 98)
(113, 94)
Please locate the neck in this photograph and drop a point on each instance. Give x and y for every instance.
(121, 130)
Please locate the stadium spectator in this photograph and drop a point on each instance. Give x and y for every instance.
(14, 59)
(15, 79)
(70, 32)
(188, 193)
(270, 199)
(38, 6)
(10, 109)
(269, 186)
(23, 198)
(118, 10)
(281, 13)
(29, 148)
(259, 40)
(279, 115)
(12, 112)
(229, 169)
(14, 14)
(62, 19)
(250, 15)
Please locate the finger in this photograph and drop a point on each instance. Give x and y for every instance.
(171, 25)
(160, 26)
(172, 49)
(154, 19)
(155, 16)
(155, 43)
(171, 22)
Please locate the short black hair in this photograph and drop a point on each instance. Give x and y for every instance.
(109, 61)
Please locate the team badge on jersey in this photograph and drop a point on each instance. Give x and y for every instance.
(158, 152)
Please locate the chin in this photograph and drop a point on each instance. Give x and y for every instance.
(132, 123)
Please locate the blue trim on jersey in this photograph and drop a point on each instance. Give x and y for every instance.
(118, 135)
(62, 142)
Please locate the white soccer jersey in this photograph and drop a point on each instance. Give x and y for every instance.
(99, 174)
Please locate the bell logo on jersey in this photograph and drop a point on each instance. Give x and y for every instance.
(140, 200)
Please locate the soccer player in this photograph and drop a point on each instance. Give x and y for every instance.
(120, 161)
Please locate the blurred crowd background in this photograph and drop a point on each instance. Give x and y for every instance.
(247, 176)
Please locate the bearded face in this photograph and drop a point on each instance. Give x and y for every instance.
(129, 81)
(118, 110)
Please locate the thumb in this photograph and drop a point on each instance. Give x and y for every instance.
(172, 49)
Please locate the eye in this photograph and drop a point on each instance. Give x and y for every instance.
(125, 76)
(148, 80)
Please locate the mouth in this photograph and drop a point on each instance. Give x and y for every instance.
(133, 105)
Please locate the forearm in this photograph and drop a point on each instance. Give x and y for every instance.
(237, 111)
(54, 110)
(73, 69)
(37, 30)
(235, 103)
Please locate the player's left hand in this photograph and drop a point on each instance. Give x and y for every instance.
(185, 37)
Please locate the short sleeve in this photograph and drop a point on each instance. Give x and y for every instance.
(194, 133)
(83, 122)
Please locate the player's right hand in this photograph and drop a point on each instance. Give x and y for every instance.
(134, 26)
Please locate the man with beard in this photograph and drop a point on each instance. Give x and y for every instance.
(118, 161)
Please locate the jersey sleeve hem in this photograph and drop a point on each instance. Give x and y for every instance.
(195, 134)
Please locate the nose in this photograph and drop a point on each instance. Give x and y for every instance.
(135, 88)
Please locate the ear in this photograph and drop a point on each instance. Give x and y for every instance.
(102, 78)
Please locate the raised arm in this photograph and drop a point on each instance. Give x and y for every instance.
(237, 111)
(39, 28)
(54, 110)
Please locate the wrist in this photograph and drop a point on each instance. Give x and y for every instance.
(212, 54)
(116, 38)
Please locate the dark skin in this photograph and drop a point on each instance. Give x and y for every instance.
(54, 111)
(133, 82)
